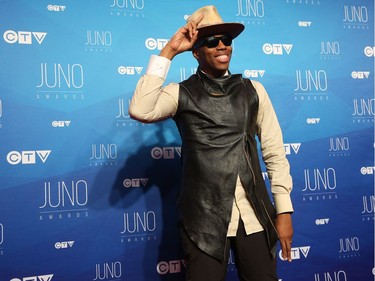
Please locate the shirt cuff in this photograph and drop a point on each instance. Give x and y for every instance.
(158, 66)
(283, 203)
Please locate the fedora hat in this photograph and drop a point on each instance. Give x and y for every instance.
(213, 24)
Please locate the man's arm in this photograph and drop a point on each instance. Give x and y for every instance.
(278, 169)
(151, 102)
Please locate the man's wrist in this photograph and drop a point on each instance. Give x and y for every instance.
(168, 52)
(158, 66)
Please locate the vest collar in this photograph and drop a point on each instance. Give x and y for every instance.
(219, 86)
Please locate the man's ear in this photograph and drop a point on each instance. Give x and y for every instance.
(196, 53)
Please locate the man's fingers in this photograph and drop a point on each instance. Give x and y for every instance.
(286, 249)
(198, 19)
(192, 25)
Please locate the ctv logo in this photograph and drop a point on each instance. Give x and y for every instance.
(56, 8)
(23, 37)
(64, 245)
(141, 182)
(254, 73)
(129, 70)
(369, 51)
(304, 23)
(34, 278)
(322, 221)
(289, 147)
(297, 253)
(170, 267)
(367, 170)
(165, 152)
(155, 44)
(313, 120)
(27, 157)
(277, 49)
(61, 123)
(360, 74)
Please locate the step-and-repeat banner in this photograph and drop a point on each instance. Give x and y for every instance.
(86, 193)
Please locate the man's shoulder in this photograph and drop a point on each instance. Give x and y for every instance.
(191, 79)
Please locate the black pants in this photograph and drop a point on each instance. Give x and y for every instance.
(252, 258)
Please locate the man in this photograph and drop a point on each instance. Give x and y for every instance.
(223, 200)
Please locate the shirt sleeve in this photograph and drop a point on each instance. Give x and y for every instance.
(151, 102)
(273, 152)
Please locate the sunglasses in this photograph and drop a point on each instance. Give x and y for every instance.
(213, 41)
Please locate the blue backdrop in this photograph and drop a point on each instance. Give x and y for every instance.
(86, 193)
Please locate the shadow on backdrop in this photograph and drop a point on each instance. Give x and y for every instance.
(153, 195)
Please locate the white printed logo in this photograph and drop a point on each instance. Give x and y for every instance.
(23, 37)
(170, 267)
(369, 51)
(35, 278)
(321, 221)
(313, 120)
(297, 253)
(155, 44)
(165, 152)
(141, 182)
(304, 23)
(56, 8)
(291, 146)
(129, 70)
(254, 73)
(27, 157)
(64, 245)
(1, 233)
(367, 170)
(277, 49)
(360, 74)
(61, 123)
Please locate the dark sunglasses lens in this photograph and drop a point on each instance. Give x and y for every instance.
(227, 41)
(212, 42)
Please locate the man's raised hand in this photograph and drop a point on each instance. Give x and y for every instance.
(183, 40)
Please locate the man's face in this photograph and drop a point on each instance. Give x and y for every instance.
(214, 60)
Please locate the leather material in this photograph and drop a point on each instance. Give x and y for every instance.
(216, 119)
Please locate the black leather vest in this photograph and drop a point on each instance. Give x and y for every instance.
(216, 119)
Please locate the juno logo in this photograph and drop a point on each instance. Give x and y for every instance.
(23, 37)
(1, 233)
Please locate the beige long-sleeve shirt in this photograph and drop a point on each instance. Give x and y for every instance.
(152, 102)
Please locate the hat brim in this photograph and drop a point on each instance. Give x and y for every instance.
(233, 29)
